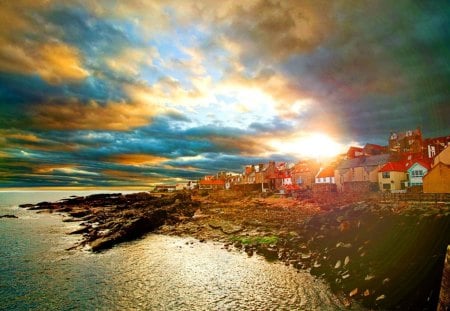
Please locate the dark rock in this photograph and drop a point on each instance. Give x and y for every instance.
(8, 216)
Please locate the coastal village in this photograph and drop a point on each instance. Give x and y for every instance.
(408, 163)
(341, 222)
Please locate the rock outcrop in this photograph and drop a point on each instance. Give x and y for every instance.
(109, 219)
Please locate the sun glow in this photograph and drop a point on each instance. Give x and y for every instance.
(316, 145)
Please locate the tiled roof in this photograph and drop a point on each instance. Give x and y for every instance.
(399, 166)
(212, 182)
(363, 161)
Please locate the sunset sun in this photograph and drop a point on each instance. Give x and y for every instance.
(315, 145)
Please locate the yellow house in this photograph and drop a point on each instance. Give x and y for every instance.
(437, 180)
(443, 157)
(392, 177)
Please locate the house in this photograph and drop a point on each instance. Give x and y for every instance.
(392, 177)
(211, 183)
(164, 188)
(232, 179)
(434, 146)
(249, 174)
(303, 173)
(442, 157)
(260, 171)
(359, 174)
(409, 141)
(325, 176)
(416, 171)
(373, 149)
(354, 152)
(284, 174)
(437, 180)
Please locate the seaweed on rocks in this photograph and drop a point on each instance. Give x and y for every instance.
(110, 219)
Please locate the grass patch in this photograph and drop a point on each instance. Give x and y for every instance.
(255, 240)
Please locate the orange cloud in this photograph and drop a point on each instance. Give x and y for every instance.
(22, 136)
(59, 62)
(116, 116)
(49, 168)
(137, 159)
(131, 176)
(55, 62)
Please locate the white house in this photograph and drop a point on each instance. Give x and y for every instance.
(416, 171)
(325, 176)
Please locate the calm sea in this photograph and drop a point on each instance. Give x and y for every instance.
(154, 273)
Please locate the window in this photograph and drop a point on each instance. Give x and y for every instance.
(386, 186)
(416, 173)
(386, 174)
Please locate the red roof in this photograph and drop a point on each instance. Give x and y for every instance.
(291, 187)
(399, 166)
(374, 146)
(326, 172)
(212, 182)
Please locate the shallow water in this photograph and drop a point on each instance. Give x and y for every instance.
(154, 273)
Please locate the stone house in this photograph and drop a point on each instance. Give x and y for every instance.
(303, 173)
(409, 141)
(359, 174)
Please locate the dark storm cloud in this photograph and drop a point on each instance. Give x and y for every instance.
(101, 93)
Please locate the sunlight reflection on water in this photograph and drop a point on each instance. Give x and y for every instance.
(155, 273)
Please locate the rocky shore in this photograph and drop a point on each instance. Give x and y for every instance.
(386, 255)
(109, 219)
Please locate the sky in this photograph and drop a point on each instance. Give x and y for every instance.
(132, 93)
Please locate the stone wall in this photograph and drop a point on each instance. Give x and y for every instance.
(318, 188)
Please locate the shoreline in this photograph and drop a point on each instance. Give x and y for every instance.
(366, 250)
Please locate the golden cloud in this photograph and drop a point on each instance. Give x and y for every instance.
(55, 62)
(130, 60)
(131, 176)
(20, 135)
(137, 159)
(116, 116)
(50, 168)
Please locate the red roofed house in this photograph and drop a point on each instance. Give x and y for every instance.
(355, 152)
(210, 182)
(392, 176)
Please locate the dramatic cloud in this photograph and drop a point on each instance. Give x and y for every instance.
(128, 93)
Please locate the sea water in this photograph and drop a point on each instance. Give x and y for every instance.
(156, 272)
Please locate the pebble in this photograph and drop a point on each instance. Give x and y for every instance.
(337, 265)
(381, 297)
(354, 292)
